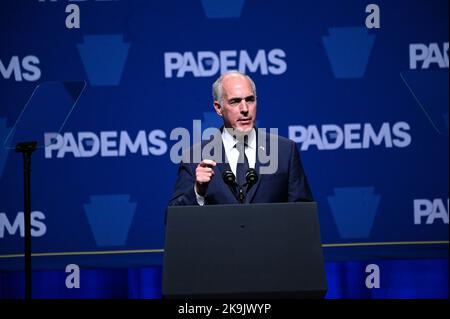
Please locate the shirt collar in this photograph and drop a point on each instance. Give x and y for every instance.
(229, 141)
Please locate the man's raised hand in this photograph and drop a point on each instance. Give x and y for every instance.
(203, 176)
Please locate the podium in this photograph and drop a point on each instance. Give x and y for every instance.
(243, 251)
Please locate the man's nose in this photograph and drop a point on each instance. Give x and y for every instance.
(244, 107)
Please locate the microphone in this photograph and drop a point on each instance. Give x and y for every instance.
(230, 180)
(251, 177)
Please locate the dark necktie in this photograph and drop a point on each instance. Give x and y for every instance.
(242, 164)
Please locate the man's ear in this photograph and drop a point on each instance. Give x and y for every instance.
(218, 108)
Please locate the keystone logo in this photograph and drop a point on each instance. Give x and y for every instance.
(217, 9)
(429, 89)
(354, 210)
(110, 217)
(103, 58)
(348, 50)
(4, 131)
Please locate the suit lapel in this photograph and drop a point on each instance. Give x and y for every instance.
(223, 165)
(228, 192)
(259, 148)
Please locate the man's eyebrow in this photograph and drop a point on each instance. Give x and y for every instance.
(240, 98)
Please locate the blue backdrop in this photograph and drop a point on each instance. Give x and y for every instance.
(362, 87)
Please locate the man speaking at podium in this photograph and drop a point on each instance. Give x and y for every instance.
(239, 176)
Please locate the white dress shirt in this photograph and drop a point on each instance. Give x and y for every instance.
(232, 154)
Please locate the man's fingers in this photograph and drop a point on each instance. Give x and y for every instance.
(207, 163)
(203, 180)
(206, 170)
(205, 174)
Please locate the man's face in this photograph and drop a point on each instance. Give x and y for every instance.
(238, 105)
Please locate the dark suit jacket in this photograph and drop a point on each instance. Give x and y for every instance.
(287, 184)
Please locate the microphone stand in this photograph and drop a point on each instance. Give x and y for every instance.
(230, 180)
(241, 194)
(27, 148)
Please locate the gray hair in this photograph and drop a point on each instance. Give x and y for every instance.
(217, 90)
